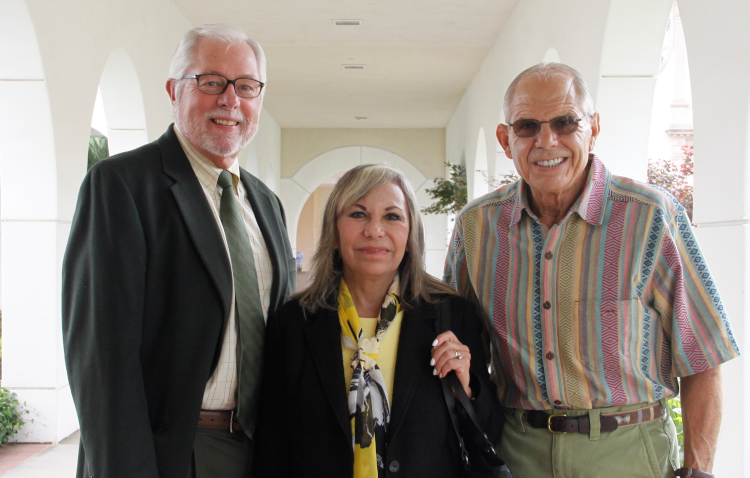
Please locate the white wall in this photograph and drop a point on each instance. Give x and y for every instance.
(717, 44)
(262, 156)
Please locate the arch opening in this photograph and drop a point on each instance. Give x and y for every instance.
(481, 171)
(123, 103)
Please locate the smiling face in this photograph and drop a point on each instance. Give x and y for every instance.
(372, 235)
(217, 125)
(550, 163)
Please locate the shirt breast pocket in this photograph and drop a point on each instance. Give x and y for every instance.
(609, 331)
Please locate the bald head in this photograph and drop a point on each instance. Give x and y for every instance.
(545, 72)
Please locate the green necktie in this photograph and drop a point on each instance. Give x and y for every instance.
(248, 311)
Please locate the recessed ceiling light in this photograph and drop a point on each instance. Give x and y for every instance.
(360, 117)
(349, 23)
(354, 67)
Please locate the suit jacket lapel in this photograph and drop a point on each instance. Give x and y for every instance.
(271, 223)
(324, 339)
(413, 356)
(198, 217)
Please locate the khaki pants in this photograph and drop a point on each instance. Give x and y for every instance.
(648, 450)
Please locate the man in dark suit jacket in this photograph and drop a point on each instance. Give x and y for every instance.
(153, 310)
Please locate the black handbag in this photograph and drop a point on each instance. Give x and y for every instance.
(481, 459)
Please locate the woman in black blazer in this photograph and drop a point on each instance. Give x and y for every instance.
(351, 385)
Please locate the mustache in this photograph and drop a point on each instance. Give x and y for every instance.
(232, 115)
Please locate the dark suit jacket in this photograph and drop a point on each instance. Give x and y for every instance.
(147, 287)
(304, 428)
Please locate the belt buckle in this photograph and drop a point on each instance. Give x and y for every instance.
(549, 423)
(231, 421)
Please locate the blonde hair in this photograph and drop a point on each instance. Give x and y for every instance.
(327, 267)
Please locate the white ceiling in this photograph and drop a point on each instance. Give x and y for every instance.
(421, 55)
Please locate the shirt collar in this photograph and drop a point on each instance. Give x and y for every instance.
(205, 169)
(590, 205)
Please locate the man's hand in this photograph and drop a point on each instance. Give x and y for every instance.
(701, 400)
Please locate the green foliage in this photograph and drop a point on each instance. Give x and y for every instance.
(450, 193)
(98, 150)
(11, 415)
(675, 409)
(675, 178)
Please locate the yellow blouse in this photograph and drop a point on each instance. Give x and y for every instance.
(386, 357)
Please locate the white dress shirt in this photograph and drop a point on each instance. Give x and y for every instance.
(221, 389)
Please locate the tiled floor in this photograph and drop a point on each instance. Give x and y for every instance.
(40, 461)
(13, 455)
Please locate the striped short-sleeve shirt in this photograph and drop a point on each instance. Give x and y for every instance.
(605, 309)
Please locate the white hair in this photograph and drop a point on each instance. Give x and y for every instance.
(545, 71)
(229, 34)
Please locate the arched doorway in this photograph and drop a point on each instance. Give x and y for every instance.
(296, 190)
(123, 103)
(633, 38)
(481, 172)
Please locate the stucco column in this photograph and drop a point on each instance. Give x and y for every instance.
(630, 61)
(33, 237)
(717, 47)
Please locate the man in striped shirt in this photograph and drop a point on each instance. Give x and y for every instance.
(599, 298)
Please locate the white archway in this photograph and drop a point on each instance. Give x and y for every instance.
(32, 235)
(480, 186)
(551, 56)
(123, 103)
(631, 50)
(296, 190)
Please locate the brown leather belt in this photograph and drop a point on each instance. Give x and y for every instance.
(225, 419)
(561, 423)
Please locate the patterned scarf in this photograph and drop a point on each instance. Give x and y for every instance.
(369, 407)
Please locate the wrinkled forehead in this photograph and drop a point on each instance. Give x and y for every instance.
(553, 95)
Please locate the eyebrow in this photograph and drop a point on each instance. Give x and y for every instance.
(214, 72)
(387, 209)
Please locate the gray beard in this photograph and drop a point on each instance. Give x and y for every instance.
(193, 128)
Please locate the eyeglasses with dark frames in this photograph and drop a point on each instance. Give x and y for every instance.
(217, 84)
(562, 125)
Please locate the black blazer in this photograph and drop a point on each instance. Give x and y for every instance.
(304, 428)
(147, 287)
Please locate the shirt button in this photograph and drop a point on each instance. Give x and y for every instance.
(558, 402)
(393, 467)
(547, 305)
(550, 356)
(548, 255)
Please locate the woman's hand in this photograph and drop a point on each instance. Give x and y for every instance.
(448, 353)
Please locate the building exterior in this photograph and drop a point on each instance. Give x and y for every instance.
(54, 56)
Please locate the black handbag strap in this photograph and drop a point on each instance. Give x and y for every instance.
(442, 325)
(452, 385)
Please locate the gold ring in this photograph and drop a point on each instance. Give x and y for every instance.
(458, 355)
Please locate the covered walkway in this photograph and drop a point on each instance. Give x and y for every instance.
(414, 83)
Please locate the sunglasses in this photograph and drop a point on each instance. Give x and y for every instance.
(562, 125)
